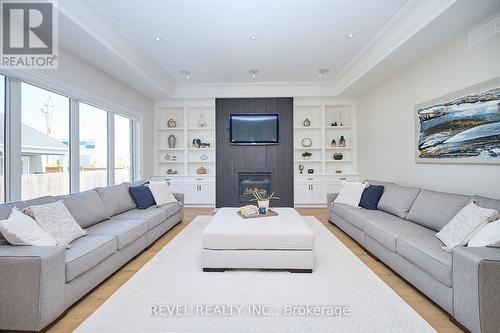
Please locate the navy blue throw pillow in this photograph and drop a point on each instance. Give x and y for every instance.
(142, 196)
(371, 196)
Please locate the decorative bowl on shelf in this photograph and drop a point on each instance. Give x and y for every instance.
(338, 156)
(201, 171)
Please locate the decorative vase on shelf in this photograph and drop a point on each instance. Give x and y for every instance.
(342, 141)
(334, 143)
(306, 123)
(202, 121)
(310, 171)
(338, 156)
(171, 141)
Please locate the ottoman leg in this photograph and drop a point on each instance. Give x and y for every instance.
(300, 270)
(214, 269)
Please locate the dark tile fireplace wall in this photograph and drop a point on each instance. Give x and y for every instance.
(234, 159)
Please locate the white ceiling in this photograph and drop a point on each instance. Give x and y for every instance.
(295, 38)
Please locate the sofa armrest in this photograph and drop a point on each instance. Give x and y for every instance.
(31, 286)
(329, 198)
(180, 199)
(476, 288)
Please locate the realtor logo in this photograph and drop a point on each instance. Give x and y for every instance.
(29, 35)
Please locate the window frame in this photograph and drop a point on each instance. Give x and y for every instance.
(13, 136)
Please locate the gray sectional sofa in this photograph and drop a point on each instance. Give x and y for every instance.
(37, 284)
(401, 233)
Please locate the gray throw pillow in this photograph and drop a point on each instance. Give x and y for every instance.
(57, 221)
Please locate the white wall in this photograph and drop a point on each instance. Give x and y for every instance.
(386, 119)
(77, 78)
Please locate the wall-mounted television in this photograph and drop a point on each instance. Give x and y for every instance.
(254, 128)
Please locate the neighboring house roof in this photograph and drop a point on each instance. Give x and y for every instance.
(35, 141)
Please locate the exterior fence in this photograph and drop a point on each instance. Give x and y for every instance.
(57, 183)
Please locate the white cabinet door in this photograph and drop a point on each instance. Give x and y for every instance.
(206, 194)
(301, 194)
(317, 194)
(191, 193)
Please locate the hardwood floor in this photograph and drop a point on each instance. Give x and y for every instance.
(432, 313)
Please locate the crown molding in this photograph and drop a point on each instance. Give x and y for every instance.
(412, 18)
(404, 25)
(253, 89)
(95, 21)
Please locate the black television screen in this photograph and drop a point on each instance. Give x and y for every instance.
(254, 128)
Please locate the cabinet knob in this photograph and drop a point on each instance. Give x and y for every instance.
(199, 178)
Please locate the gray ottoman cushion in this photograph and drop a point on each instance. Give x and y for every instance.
(435, 209)
(86, 207)
(397, 200)
(116, 198)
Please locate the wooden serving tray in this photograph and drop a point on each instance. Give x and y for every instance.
(256, 216)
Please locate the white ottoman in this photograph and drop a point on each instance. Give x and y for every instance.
(283, 242)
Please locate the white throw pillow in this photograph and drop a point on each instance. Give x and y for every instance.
(20, 229)
(350, 193)
(489, 235)
(464, 225)
(56, 219)
(161, 192)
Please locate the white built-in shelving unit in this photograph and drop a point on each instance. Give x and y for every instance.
(311, 189)
(184, 158)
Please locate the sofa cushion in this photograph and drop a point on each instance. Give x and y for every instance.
(152, 215)
(435, 209)
(86, 207)
(487, 202)
(116, 199)
(125, 231)
(359, 216)
(397, 200)
(426, 253)
(340, 209)
(386, 232)
(86, 252)
(371, 196)
(142, 196)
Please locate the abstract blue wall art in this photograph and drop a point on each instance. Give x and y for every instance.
(463, 127)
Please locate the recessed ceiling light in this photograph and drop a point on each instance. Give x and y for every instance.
(185, 73)
(323, 71)
(157, 38)
(253, 37)
(351, 35)
(253, 72)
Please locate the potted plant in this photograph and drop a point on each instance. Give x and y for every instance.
(263, 199)
(306, 155)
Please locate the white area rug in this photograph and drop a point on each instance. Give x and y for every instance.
(187, 300)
